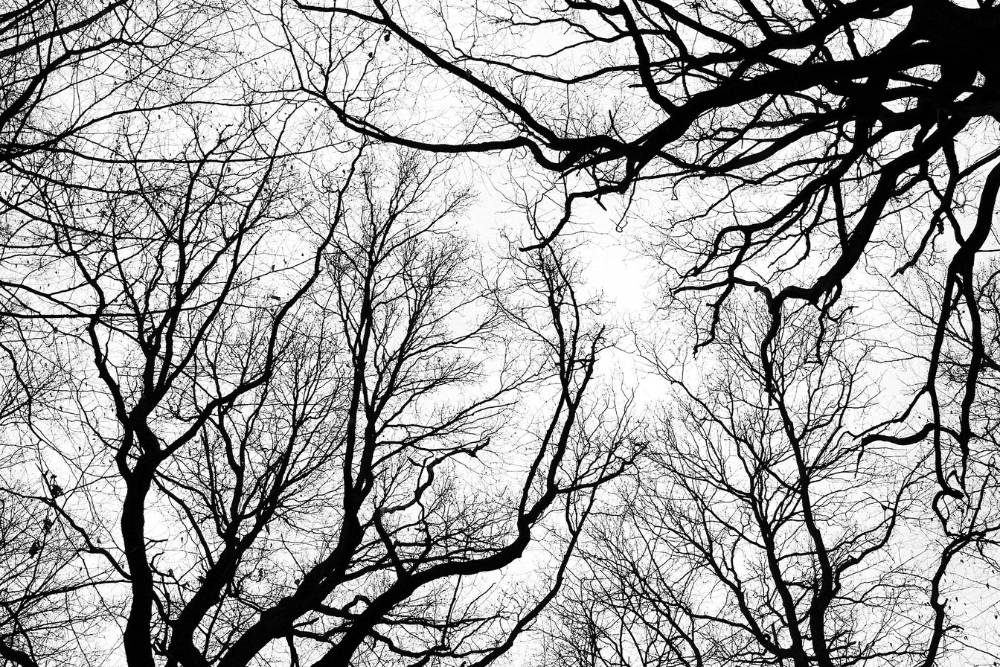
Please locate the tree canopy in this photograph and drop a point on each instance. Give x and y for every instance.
(280, 386)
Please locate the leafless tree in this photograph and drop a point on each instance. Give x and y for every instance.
(70, 70)
(798, 140)
(805, 147)
(771, 525)
(34, 555)
(301, 401)
(264, 403)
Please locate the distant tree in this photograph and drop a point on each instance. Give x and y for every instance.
(769, 526)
